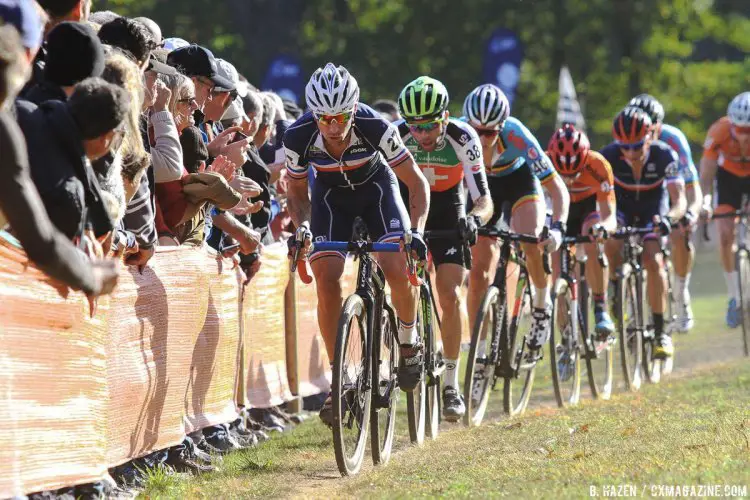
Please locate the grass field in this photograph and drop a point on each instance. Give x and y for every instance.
(692, 429)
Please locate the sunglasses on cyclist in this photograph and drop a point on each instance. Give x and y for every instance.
(632, 146)
(487, 132)
(340, 118)
(425, 127)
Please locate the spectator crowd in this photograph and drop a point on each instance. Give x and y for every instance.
(115, 139)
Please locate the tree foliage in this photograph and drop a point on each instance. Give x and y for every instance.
(691, 54)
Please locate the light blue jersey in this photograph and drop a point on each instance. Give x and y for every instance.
(679, 143)
(517, 147)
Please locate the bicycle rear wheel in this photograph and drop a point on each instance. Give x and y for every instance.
(385, 398)
(416, 411)
(629, 329)
(600, 356)
(517, 368)
(743, 273)
(565, 346)
(483, 355)
(351, 387)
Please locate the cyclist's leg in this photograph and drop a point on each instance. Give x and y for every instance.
(683, 254)
(451, 261)
(387, 219)
(485, 253)
(331, 220)
(597, 277)
(656, 285)
(730, 189)
(528, 216)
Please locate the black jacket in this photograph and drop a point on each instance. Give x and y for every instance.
(60, 170)
(45, 91)
(24, 210)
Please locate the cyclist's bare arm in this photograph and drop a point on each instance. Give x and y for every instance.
(560, 197)
(607, 212)
(708, 170)
(483, 208)
(298, 201)
(419, 191)
(677, 197)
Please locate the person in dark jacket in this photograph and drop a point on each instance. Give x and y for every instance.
(20, 204)
(63, 139)
(74, 53)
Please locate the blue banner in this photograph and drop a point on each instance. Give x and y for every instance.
(502, 61)
(284, 76)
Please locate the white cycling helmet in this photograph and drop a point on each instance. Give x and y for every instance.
(331, 91)
(487, 106)
(739, 110)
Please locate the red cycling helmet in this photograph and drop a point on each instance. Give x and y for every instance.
(568, 149)
(632, 125)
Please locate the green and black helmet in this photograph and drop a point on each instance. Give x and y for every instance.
(423, 99)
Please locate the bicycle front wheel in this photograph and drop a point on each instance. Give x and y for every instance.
(483, 355)
(516, 365)
(743, 273)
(629, 329)
(385, 398)
(416, 411)
(434, 367)
(351, 387)
(565, 346)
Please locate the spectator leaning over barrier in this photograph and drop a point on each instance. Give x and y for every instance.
(74, 53)
(255, 168)
(136, 41)
(116, 171)
(20, 204)
(63, 138)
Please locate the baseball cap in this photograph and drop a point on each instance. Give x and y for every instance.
(235, 110)
(228, 71)
(175, 43)
(158, 62)
(195, 60)
(22, 15)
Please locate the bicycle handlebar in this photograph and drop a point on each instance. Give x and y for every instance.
(509, 236)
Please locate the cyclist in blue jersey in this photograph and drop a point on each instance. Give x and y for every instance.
(517, 169)
(683, 251)
(356, 157)
(647, 179)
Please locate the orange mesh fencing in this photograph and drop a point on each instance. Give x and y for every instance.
(53, 384)
(160, 359)
(266, 381)
(172, 352)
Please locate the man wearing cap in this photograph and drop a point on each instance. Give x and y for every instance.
(74, 53)
(200, 65)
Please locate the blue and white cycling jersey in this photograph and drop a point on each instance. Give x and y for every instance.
(517, 147)
(679, 143)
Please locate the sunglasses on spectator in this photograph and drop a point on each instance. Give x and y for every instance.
(631, 146)
(340, 118)
(425, 127)
(188, 100)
